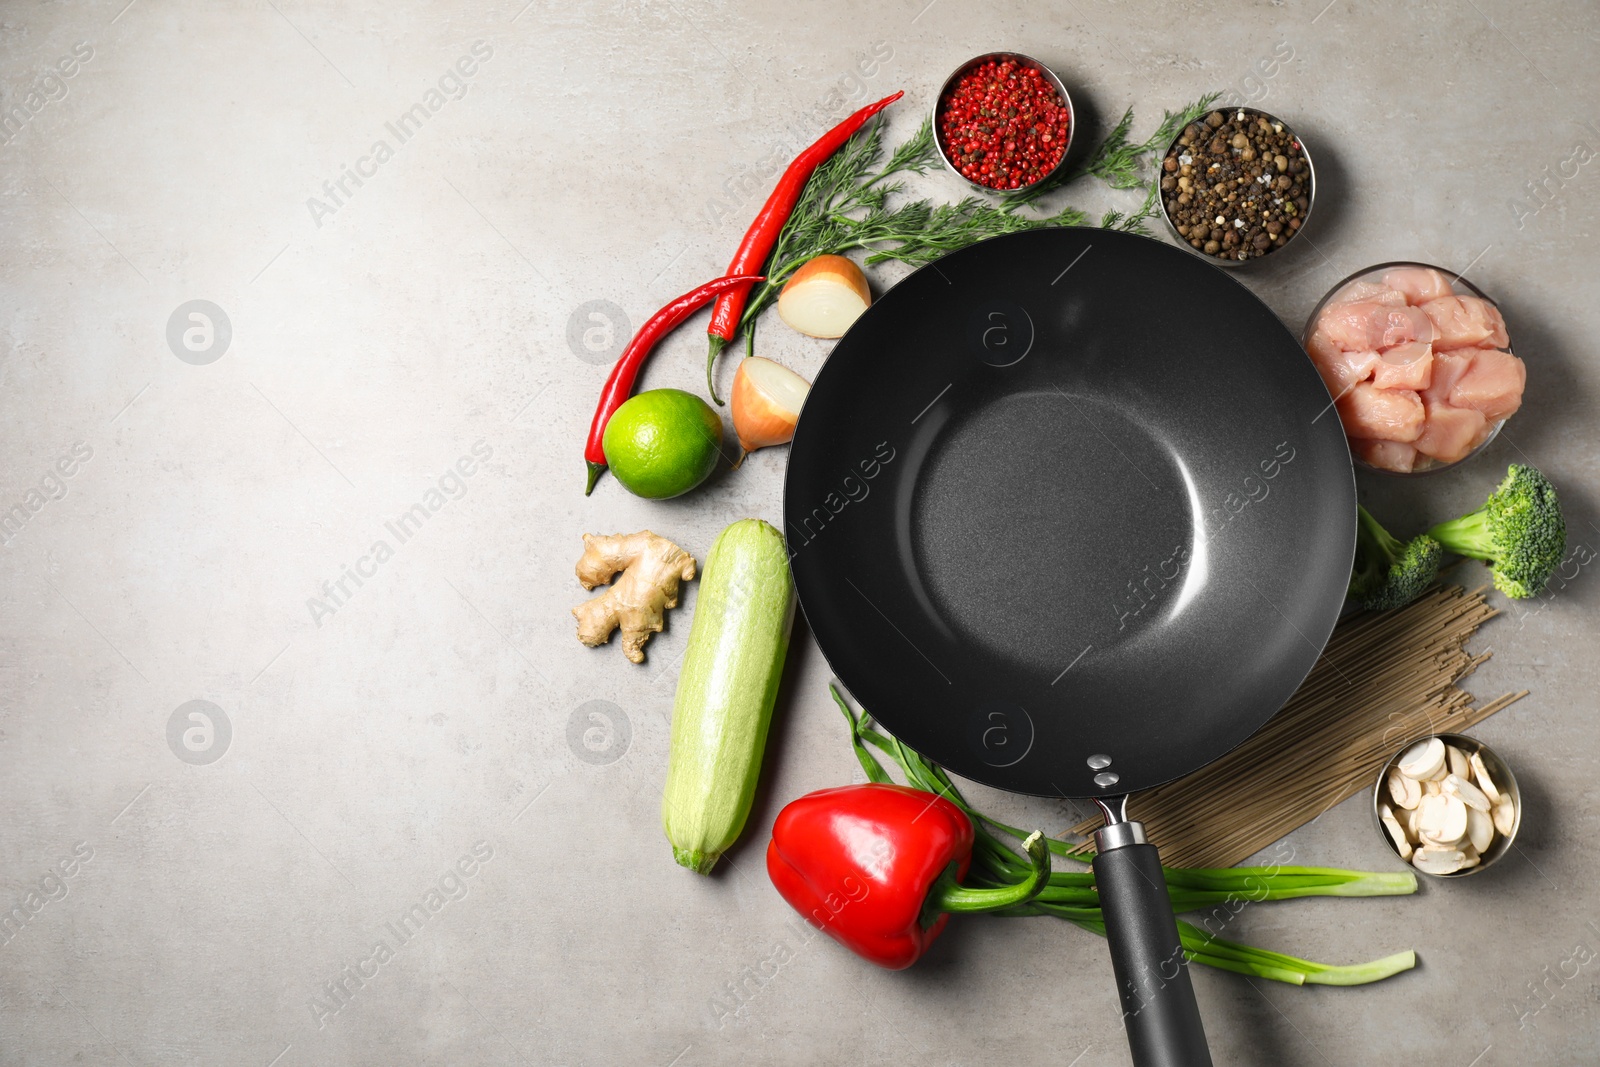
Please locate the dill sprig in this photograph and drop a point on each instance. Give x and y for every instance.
(1118, 160)
(846, 203)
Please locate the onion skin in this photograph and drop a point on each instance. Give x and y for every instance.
(826, 270)
(762, 415)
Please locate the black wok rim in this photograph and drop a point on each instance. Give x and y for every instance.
(834, 647)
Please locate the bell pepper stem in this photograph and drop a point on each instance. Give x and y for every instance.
(950, 895)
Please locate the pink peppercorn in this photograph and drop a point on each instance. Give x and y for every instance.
(1003, 125)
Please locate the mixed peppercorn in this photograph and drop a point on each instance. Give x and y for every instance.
(1004, 125)
(1236, 185)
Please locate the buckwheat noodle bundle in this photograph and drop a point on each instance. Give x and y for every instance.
(1385, 679)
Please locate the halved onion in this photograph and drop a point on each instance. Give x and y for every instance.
(766, 402)
(824, 297)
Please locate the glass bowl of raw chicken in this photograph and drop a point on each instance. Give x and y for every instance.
(1419, 364)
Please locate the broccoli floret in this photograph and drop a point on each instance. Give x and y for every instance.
(1389, 572)
(1519, 530)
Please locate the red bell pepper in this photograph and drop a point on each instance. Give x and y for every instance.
(878, 868)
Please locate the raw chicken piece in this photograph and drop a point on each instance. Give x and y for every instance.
(1385, 455)
(1407, 366)
(1492, 385)
(1320, 349)
(1483, 434)
(1448, 367)
(1419, 284)
(1377, 294)
(1364, 324)
(1381, 414)
(1465, 322)
(1449, 433)
(1340, 369)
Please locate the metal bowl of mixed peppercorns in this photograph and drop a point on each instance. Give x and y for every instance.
(1003, 121)
(1237, 186)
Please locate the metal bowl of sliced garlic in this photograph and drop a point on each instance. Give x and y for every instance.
(1447, 805)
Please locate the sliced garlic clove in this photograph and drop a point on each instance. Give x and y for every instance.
(1423, 759)
(1433, 860)
(1396, 832)
(1480, 829)
(1403, 790)
(1505, 816)
(1456, 786)
(1442, 819)
(1458, 762)
(1485, 783)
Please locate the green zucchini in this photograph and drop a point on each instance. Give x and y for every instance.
(726, 689)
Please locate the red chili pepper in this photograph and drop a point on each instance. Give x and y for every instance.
(763, 232)
(878, 868)
(620, 382)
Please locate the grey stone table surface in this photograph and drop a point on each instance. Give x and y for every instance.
(418, 232)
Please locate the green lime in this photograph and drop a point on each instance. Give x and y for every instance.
(663, 443)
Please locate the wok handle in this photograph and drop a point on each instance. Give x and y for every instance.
(1158, 1005)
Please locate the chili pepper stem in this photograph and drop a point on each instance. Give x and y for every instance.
(595, 471)
(949, 895)
(711, 363)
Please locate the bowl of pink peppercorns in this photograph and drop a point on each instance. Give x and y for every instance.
(1003, 121)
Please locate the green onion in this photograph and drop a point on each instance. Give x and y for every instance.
(1071, 895)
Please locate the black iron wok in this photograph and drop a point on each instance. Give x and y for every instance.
(1070, 513)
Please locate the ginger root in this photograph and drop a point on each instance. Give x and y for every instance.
(651, 569)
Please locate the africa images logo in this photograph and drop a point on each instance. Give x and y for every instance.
(52, 486)
(451, 85)
(455, 883)
(48, 88)
(451, 485)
